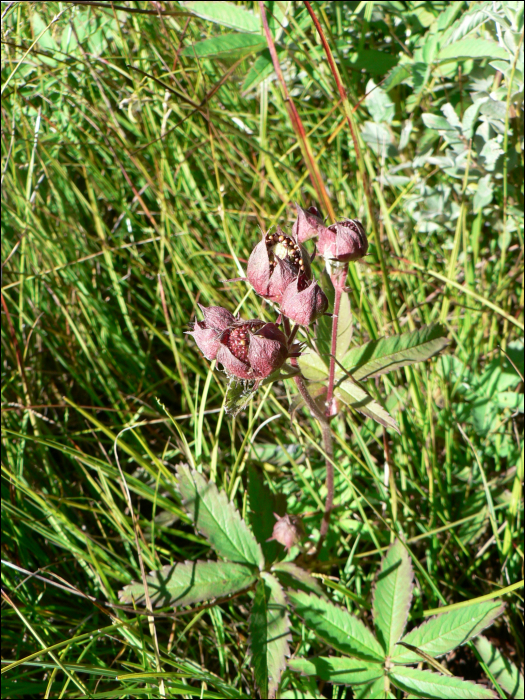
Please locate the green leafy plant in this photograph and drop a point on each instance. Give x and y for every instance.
(374, 664)
(247, 563)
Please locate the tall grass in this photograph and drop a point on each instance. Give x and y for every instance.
(135, 182)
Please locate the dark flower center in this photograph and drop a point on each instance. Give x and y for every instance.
(283, 247)
(238, 340)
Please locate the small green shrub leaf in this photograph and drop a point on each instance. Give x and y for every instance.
(226, 46)
(386, 354)
(226, 14)
(269, 635)
(392, 596)
(312, 366)
(218, 519)
(359, 399)
(189, 582)
(443, 633)
(337, 627)
(342, 670)
(263, 504)
(472, 48)
(261, 69)
(427, 684)
(503, 670)
(292, 576)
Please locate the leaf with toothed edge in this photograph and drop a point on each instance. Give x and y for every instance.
(336, 626)
(442, 633)
(392, 596)
(504, 671)
(269, 635)
(337, 670)
(189, 582)
(293, 576)
(238, 395)
(386, 354)
(218, 519)
(354, 396)
(427, 684)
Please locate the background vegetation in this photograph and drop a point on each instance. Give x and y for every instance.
(137, 170)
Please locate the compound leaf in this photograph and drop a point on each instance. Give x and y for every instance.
(189, 582)
(442, 633)
(427, 684)
(503, 670)
(342, 670)
(392, 596)
(269, 635)
(353, 395)
(218, 519)
(386, 354)
(292, 576)
(336, 626)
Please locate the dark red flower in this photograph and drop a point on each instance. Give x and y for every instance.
(344, 241)
(252, 350)
(304, 301)
(275, 263)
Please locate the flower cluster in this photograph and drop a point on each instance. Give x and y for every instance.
(344, 241)
(279, 270)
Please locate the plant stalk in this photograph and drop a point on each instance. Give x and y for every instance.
(338, 275)
(328, 450)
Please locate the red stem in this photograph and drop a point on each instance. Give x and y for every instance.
(311, 163)
(338, 280)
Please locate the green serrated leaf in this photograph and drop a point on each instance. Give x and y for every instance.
(386, 354)
(354, 396)
(392, 596)
(189, 582)
(269, 635)
(337, 627)
(225, 46)
(263, 504)
(293, 576)
(342, 671)
(427, 684)
(218, 519)
(312, 366)
(238, 396)
(472, 48)
(442, 633)
(226, 14)
(373, 691)
(503, 670)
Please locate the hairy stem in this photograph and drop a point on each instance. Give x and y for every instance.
(328, 450)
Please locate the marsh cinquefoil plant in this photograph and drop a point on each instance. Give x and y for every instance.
(249, 560)
(328, 373)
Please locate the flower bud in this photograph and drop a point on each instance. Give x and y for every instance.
(307, 225)
(303, 302)
(344, 241)
(288, 530)
(275, 263)
(252, 350)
